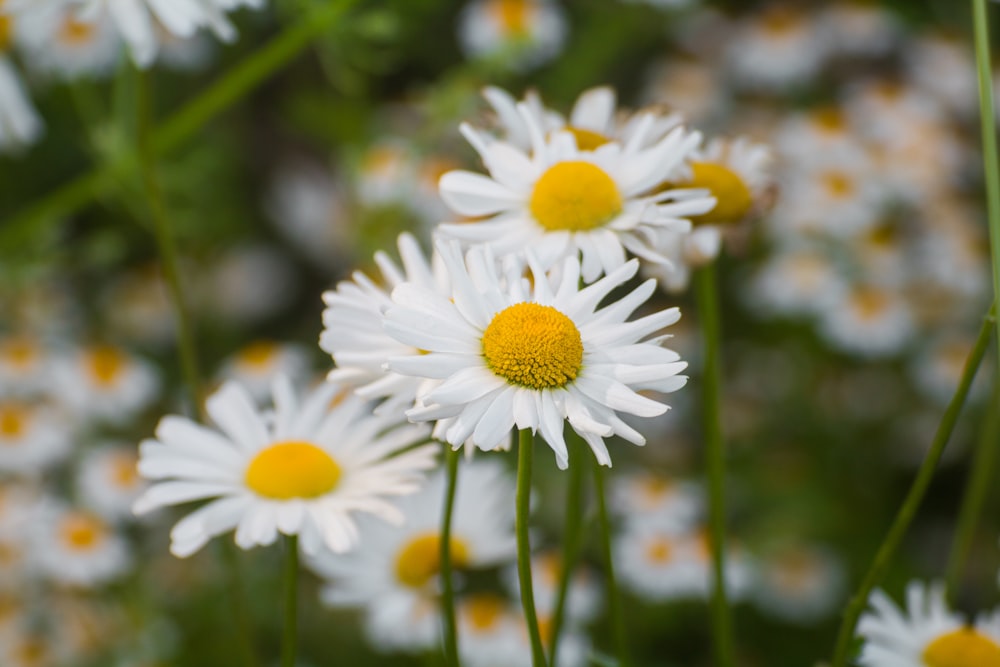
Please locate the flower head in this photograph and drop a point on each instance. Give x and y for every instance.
(304, 470)
(532, 354)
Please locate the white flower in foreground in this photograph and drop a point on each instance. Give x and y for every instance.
(562, 201)
(396, 576)
(926, 633)
(352, 326)
(304, 469)
(510, 353)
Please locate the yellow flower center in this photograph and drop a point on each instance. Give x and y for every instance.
(6, 29)
(795, 571)
(19, 352)
(14, 420)
(660, 550)
(258, 354)
(123, 470)
(81, 532)
(838, 184)
(830, 119)
(869, 303)
(484, 611)
(575, 196)
(512, 15)
(653, 490)
(31, 652)
(587, 140)
(75, 33)
(733, 197)
(105, 364)
(962, 648)
(533, 346)
(419, 560)
(292, 469)
(780, 21)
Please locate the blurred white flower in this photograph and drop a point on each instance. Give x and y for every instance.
(800, 584)
(525, 33)
(108, 481)
(105, 383)
(258, 364)
(76, 548)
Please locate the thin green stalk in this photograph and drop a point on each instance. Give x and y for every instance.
(525, 449)
(165, 240)
(182, 126)
(707, 297)
(614, 597)
(571, 536)
(447, 589)
(987, 117)
(914, 497)
(289, 643)
(238, 602)
(977, 488)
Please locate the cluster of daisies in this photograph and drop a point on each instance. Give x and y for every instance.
(71, 39)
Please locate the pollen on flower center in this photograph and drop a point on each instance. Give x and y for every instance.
(660, 550)
(587, 140)
(105, 364)
(419, 560)
(292, 469)
(575, 196)
(512, 15)
(534, 346)
(965, 647)
(258, 354)
(81, 532)
(13, 421)
(733, 197)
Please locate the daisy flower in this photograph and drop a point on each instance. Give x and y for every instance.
(58, 41)
(33, 436)
(78, 548)
(108, 481)
(395, 578)
(562, 201)
(139, 308)
(489, 626)
(869, 321)
(926, 633)
(776, 48)
(798, 281)
(352, 325)
(304, 469)
(525, 33)
(510, 353)
(249, 283)
(859, 28)
(256, 365)
(799, 584)
(644, 497)
(24, 365)
(584, 597)
(105, 382)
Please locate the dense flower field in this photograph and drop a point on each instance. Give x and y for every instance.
(498, 333)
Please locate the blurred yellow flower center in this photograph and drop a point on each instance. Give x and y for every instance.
(13, 420)
(81, 532)
(796, 570)
(830, 119)
(419, 560)
(258, 354)
(512, 15)
(19, 352)
(659, 550)
(31, 652)
(869, 303)
(533, 346)
(484, 611)
(575, 196)
(838, 184)
(962, 648)
(76, 33)
(6, 29)
(105, 364)
(587, 140)
(733, 197)
(292, 469)
(653, 490)
(123, 470)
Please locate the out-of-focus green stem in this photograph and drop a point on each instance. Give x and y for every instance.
(165, 241)
(981, 474)
(915, 495)
(707, 298)
(614, 597)
(447, 587)
(289, 644)
(183, 125)
(525, 449)
(571, 535)
(987, 118)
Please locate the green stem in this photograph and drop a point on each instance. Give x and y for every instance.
(165, 241)
(614, 597)
(976, 490)
(914, 497)
(182, 126)
(525, 449)
(707, 297)
(290, 640)
(448, 592)
(987, 117)
(238, 602)
(571, 537)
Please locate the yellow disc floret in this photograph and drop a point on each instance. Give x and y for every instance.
(733, 198)
(484, 611)
(419, 560)
(106, 364)
(6, 29)
(511, 15)
(82, 532)
(292, 469)
(575, 196)
(587, 140)
(533, 346)
(965, 647)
